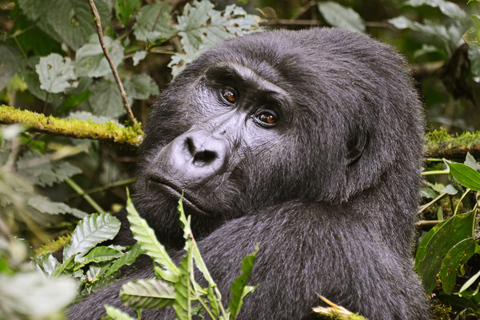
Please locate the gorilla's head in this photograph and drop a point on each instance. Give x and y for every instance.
(318, 115)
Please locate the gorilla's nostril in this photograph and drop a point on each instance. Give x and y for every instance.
(204, 157)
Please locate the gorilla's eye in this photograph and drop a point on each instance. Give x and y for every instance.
(268, 118)
(229, 94)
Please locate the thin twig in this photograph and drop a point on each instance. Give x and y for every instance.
(110, 61)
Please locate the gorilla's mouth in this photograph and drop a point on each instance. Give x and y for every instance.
(175, 192)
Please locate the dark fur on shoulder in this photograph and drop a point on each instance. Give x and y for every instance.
(305, 142)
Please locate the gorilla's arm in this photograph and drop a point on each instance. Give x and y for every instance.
(291, 237)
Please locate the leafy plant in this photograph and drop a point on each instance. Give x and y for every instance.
(175, 286)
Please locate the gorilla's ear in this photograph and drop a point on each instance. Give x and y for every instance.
(356, 144)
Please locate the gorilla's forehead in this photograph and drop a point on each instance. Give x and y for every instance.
(262, 79)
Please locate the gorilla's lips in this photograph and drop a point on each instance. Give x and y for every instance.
(173, 191)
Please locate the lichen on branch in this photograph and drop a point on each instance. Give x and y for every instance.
(76, 128)
(439, 144)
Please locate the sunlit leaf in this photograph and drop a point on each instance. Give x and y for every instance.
(89, 232)
(341, 17)
(56, 73)
(147, 240)
(154, 23)
(466, 176)
(151, 294)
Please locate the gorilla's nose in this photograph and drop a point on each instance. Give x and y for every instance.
(197, 156)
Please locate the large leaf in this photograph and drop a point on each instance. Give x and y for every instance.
(147, 293)
(89, 232)
(45, 173)
(45, 205)
(465, 175)
(438, 242)
(454, 259)
(141, 87)
(8, 65)
(106, 99)
(56, 73)
(90, 60)
(341, 17)
(201, 27)
(153, 23)
(448, 8)
(66, 21)
(147, 240)
(239, 286)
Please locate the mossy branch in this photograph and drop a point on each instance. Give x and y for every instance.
(439, 144)
(75, 128)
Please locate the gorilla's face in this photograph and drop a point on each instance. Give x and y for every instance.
(240, 118)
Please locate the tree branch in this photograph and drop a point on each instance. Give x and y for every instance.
(440, 144)
(110, 62)
(75, 128)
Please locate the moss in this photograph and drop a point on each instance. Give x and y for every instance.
(73, 127)
(440, 144)
(53, 245)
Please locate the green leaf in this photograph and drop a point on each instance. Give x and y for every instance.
(341, 17)
(154, 23)
(116, 314)
(466, 176)
(239, 286)
(56, 73)
(126, 259)
(8, 65)
(147, 293)
(201, 27)
(214, 296)
(97, 255)
(141, 87)
(436, 34)
(125, 9)
(428, 192)
(448, 8)
(436, 244)
(45, 173)
(106, 99)
(89, 232)
(45, 205)
(454, 259)
(90, 60)
(66, 21)
(181, 288)
(147, 240)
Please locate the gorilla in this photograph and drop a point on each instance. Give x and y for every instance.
(306, 142)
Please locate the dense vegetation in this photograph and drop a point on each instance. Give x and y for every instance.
(77, 156)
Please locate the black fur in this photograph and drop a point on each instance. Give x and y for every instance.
(329, 192)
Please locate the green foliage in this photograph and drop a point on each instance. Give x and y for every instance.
(176, 286)
(445, 252)
(341, 17)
